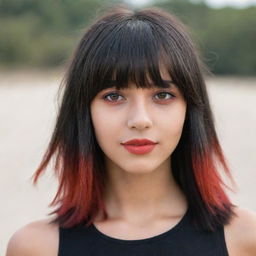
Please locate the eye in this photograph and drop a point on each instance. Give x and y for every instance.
(113, 96)
(163, 95)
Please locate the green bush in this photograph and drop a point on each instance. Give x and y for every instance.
(44, 33)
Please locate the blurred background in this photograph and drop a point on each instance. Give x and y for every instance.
(37, 39)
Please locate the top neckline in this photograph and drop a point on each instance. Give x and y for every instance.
(172, 230)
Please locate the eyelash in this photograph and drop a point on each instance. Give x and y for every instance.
(116, 93)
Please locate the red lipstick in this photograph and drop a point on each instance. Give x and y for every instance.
(139, 146)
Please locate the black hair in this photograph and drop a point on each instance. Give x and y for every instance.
(120, 47)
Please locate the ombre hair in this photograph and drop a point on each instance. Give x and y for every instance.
(126, 45)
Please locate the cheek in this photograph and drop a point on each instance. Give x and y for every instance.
(175, 118)
(104, 126)
(173, 124)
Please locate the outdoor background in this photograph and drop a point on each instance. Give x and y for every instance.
(37, 39)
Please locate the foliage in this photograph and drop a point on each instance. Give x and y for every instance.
(226, 37)
(44, 33)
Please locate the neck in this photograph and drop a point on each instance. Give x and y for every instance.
(143, 196)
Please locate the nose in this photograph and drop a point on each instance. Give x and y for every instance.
(139, 116)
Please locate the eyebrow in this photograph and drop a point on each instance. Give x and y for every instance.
(170, 83)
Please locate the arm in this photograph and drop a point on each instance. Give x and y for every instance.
(36, 238)
(240, 234)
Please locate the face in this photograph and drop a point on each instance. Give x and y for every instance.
(156, 114)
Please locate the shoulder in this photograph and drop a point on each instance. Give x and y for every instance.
(240, 233)
(36, 238)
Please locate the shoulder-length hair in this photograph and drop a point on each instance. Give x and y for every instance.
(126, 45)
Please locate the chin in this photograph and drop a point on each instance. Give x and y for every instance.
(139, 170)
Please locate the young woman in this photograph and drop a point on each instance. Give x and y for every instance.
(137, 155)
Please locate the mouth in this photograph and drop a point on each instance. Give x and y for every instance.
(139, 146)
(139, 142)
(139, 149)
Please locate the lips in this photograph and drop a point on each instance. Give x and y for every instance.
(139, 142)
(139, 146)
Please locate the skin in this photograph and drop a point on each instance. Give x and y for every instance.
(240, 236)
(140, 188)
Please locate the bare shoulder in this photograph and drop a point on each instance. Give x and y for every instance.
(240, 233)
(36, 238)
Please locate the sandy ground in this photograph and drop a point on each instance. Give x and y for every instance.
(28, 107)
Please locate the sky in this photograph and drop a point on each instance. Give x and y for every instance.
(212, 3)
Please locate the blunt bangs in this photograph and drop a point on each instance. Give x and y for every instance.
(130, 54)
(134, 51)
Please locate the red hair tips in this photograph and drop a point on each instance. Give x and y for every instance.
(208, 179)
(79, 192)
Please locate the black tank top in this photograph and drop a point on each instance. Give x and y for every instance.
(181, 240)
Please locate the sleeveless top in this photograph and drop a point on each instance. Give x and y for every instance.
(181, 240)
